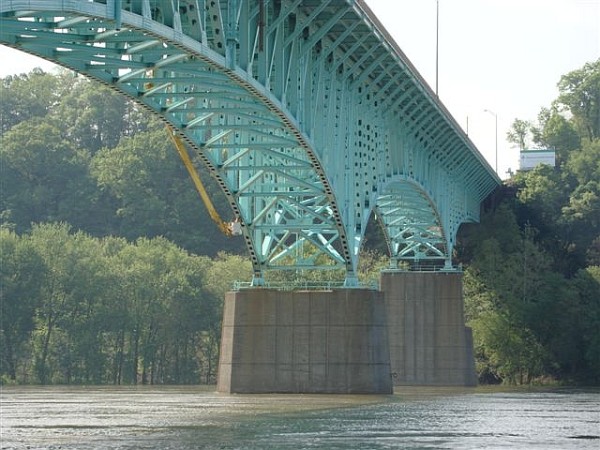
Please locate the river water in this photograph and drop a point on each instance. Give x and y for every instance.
(185, 418)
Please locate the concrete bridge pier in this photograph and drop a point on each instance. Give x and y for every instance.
(429, 343)
(330, 341)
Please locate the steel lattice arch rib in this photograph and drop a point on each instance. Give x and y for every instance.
(306, 112)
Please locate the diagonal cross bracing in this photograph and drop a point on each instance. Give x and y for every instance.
(305, 111)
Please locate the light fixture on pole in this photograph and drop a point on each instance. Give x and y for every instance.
(496, 119)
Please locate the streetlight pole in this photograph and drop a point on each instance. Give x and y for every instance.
(437, 43)
(496, 119)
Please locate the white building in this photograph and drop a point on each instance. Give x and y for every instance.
(531, 158)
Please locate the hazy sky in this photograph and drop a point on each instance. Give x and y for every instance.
(505, 56)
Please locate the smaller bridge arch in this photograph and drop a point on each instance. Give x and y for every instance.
(411, 224)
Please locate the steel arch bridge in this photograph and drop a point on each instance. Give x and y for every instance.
(306, 112)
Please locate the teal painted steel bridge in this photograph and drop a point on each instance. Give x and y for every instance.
(306, 112)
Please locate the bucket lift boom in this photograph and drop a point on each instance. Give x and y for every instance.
(227, 228)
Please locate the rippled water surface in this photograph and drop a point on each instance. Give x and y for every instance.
(198, 418)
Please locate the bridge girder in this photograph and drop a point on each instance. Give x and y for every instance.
(305, 111)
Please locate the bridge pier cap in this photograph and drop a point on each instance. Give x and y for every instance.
(307, 114)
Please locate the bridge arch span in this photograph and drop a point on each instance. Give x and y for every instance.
(305, 111)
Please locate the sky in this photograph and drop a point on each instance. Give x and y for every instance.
(498, 59)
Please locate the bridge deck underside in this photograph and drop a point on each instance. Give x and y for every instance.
(306, 113)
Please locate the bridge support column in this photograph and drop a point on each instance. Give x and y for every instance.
(429, 343)
(304, 342)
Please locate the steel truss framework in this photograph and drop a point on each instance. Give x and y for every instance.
(305, 111)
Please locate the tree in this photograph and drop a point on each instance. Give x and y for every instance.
(22, 274)
(518, 134)
(584, 202)
(508, 302)
(44, 177)
(95, 116)
(593, 253)
(115, 319)
(580, 94)
(191, 315)
(587, 283)
(556, 132)
(55, 247)
(70, 317)
(27, 96)
(510, 351)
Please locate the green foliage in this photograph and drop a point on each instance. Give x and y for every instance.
(27, 96)
(526, 318)
(580, 95)
(22, 275)
(92, 115)
(587, 285)
(519, 132)
(584, 202)
(78, 309)
(556, 132)
(506, 350)
(531, 289)
(38, 167)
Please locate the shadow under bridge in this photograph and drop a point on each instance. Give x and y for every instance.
(306, 112)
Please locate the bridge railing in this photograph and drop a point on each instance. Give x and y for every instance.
(329, 285)
(304, 285)
(424, 268)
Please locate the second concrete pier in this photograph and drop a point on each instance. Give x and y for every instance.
(429, 342)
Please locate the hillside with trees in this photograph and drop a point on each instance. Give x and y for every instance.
(532, 283)
(112, 272)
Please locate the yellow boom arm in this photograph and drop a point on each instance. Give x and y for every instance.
(227, 228)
